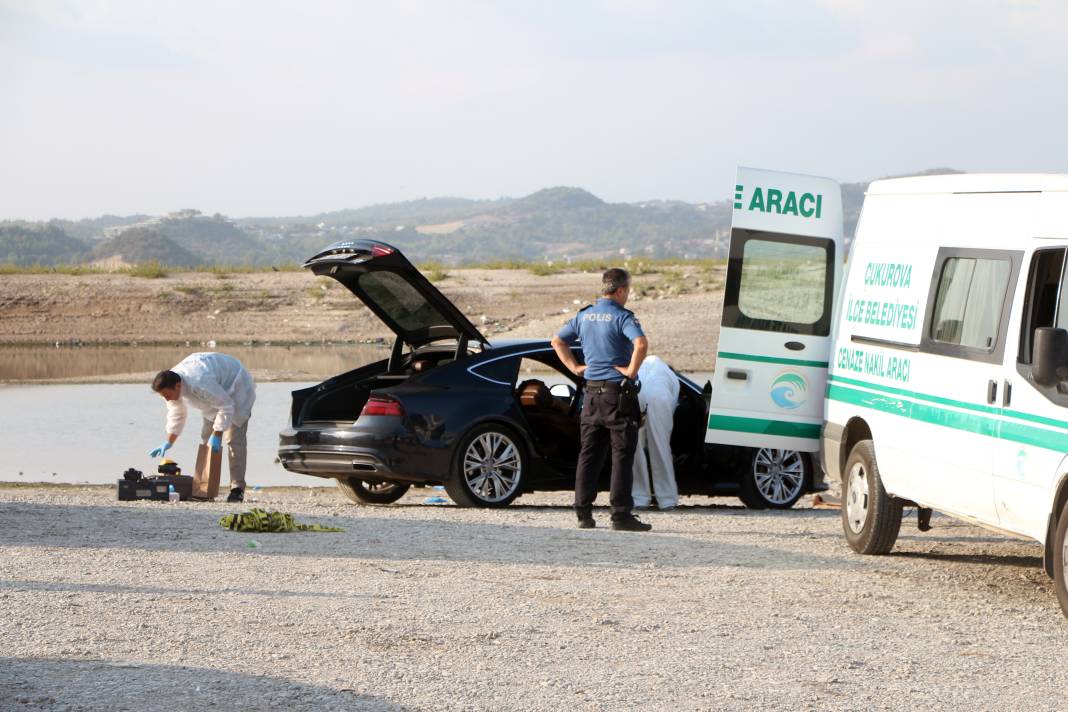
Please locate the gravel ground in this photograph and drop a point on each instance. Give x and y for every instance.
(145, 606)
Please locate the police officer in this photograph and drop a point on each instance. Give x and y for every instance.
(613, 346)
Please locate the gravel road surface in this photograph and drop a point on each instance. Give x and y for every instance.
(146, 606)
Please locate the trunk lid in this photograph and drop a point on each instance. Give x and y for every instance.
(395, 290)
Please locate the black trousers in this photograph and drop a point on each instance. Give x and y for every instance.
(609, 426)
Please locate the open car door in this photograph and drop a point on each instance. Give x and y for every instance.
(784, 264)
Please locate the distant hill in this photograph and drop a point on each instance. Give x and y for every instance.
(28, 244)
(558, 224)
(554, 224)
(93, 229)
(212, 239)
(140, 245)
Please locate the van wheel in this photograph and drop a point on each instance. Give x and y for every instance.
(870, 517)
(1060, 560)
(488, 468)
(363, 492)
(775, 479)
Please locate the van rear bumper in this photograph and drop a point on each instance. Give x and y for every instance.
(831, 450)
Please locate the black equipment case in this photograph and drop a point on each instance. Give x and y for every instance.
(134, 485)
(144, 488)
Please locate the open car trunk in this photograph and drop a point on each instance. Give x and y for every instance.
(338, 401)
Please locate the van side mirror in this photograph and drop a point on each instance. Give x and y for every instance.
(1050, 354)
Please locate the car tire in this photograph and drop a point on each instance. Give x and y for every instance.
(775, 479)
(1060, 576)
(363, 492)
(488, 467)
(871, 518)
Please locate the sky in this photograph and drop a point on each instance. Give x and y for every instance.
(293, 108)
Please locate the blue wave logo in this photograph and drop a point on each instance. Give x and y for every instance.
(789, 390)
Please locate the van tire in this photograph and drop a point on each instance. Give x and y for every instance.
(497, 445)
(362, 492)
(785, 464)
(1060, 585)
(871, 518)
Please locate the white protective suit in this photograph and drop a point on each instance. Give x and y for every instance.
(218, 386)
(658, 399)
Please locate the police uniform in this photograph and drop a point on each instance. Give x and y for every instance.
(609, 420)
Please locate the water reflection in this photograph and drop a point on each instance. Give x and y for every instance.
(291, 363)
(93, 432)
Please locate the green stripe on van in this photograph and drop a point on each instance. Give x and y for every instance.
(977, 407)
(771, 359)
(763, 426)
(969, 422)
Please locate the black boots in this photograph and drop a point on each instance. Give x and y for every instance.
(236, 495)
(621, 523)
(630, 523)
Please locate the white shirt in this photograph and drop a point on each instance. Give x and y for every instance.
(218, 386)
(658, 381)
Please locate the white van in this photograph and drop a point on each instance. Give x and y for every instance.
(946, 385)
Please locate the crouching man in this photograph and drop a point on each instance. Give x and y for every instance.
(223, 391)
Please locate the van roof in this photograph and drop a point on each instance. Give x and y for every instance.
(972, 183)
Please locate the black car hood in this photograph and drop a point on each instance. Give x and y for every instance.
(394, 290)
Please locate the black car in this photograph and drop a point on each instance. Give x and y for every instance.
(450, 407)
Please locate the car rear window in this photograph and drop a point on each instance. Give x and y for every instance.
(398, 298)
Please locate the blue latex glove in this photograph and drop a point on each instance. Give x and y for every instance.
(159, 452)
(215, 443)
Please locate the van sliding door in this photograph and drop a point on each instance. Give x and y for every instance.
(774, 344)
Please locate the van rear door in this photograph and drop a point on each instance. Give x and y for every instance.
(783, 270)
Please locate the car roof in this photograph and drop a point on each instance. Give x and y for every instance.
(972, 183)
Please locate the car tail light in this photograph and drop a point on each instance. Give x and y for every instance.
(381, 251)
(382, 405)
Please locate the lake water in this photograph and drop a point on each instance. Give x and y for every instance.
(300, 362)
(91, 433)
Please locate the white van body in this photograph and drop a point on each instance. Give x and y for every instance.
(935, 393)
(947, 280)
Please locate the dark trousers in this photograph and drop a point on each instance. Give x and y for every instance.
(605, 429)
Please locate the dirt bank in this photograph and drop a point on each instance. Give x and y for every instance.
(679, 307)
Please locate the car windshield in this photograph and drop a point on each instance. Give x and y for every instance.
(400, 300)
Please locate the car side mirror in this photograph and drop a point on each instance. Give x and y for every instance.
(1050, 355)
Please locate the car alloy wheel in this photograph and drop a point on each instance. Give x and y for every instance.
(779, 475)
(492, 467)
(856, 503)
(364, 492)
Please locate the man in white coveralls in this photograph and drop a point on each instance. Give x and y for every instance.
(658, 397)
(223, 391)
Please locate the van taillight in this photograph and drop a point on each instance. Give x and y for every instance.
(382, 405)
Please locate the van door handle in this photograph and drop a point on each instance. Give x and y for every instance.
(794, 345)
(1006, 394)
(991, 392)
(737, 375)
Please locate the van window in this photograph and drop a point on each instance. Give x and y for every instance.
(969, 302)
(778, 282)
(782, 281)
(1046, 299)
